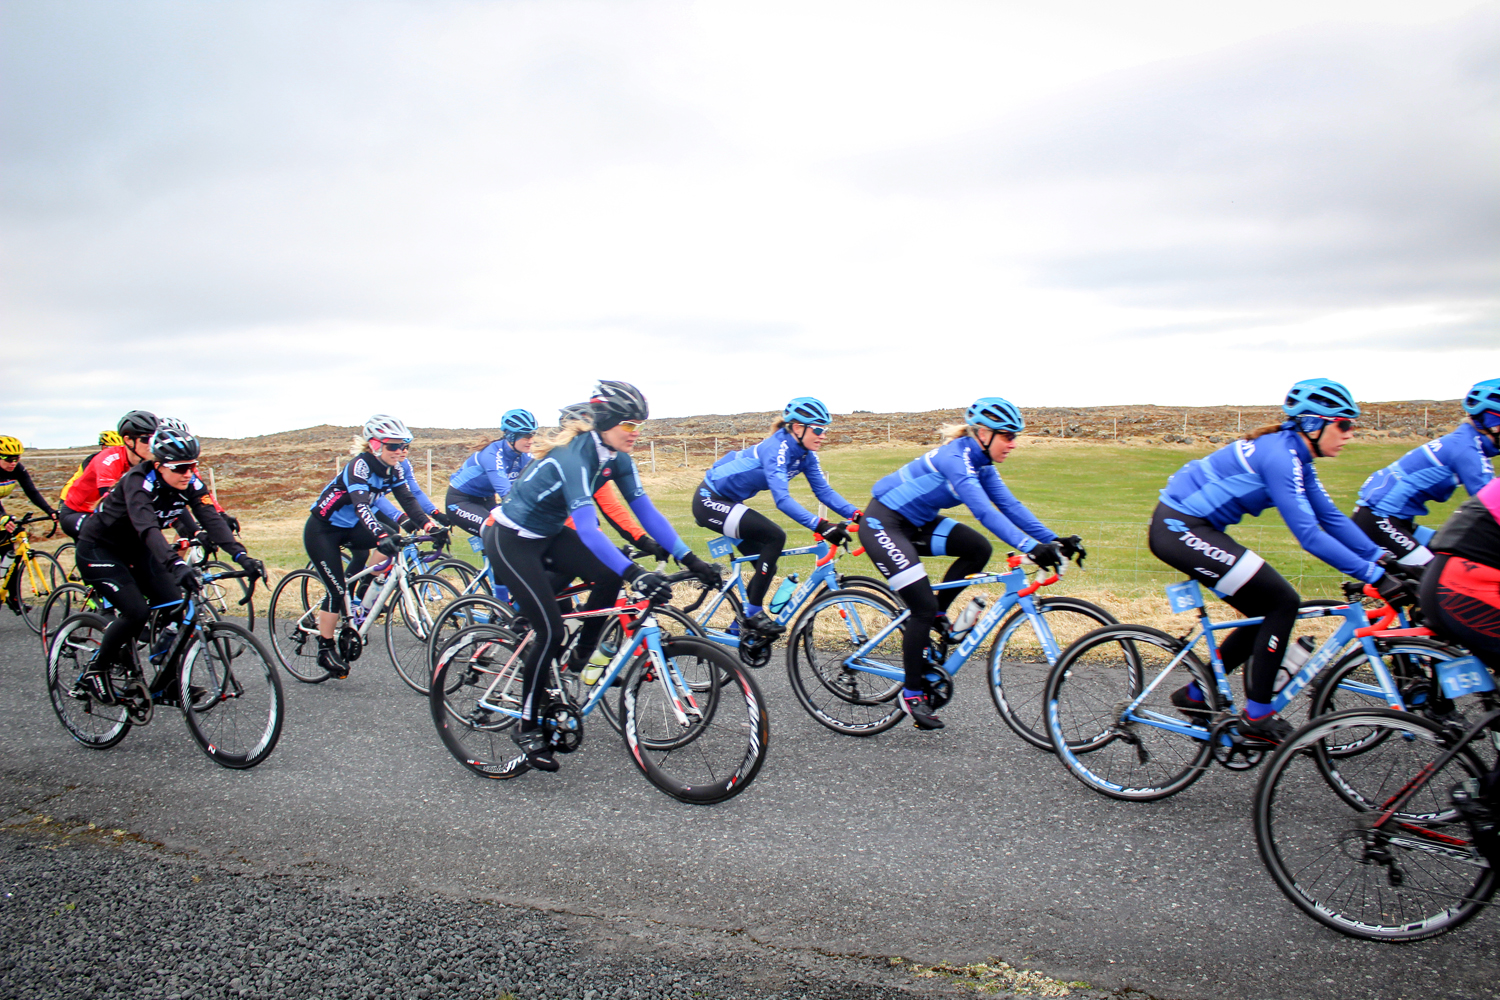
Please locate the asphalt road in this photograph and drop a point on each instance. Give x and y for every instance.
(957, 846)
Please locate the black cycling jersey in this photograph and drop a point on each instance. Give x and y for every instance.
(130, 519)
(19, 476)
(349, 497)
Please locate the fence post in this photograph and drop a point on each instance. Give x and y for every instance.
(213, 491)
(1117, 428)
(1424, 420)
(653, 456)
(684, 451)
(429, 470)
(716, 449)
(887, 433)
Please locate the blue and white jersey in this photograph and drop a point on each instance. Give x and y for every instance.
(960, 472)
(772, 465)
(1430, 474)
(490, 471)
(390, 510)
(1245, 477)
(348, 498)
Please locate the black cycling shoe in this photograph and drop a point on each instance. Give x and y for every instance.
(920, 710)
(1195, 709)
(764, 626)
(1271, 728)
(330, 660)
(537, 746)
(91, 686)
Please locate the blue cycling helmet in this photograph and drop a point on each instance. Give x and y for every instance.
(807, 410)
(1321, 397)
(1484, 396)
(517, 424)
(995, 413)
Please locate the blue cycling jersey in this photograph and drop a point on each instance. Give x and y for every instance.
(1430, 474)
(1246, 477)
(562, 484)
(348, 497)
(409, 476)
(960, 472)
(772, 465)
(491, 470)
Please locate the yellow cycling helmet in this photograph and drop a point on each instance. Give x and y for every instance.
(10, 447)
(110, 439)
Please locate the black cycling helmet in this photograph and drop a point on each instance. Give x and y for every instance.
(615, 402)
(575, 411)
(173, 442)
(137, 423)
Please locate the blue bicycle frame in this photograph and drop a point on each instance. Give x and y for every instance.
(824, 575)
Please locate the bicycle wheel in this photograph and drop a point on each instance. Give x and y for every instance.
(455, 571)
(61, 604)
(702, 746)
(1365, 872)
(1351, 683)
(231, 696)
(843, 698)
(1137, 758)
(1019, 664)
(671, 622)
(67, 560)
(94, 724)
(475, 687)
(36, 578)
(409, 628)
(292, 620)
(469, 610)
(225, 595)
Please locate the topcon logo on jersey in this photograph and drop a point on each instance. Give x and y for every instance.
(722, 508)
(898, 558)
(1385, 525)
(1192, 541)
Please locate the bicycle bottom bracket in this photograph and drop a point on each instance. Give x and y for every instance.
(350, 644)
(755, 648)
(564, 727)
(135, 697)
(1232, 751)
(939, 686)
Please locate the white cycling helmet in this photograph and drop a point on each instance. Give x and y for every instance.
(385, 427)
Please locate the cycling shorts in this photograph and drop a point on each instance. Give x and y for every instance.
(1397, 535)
(1200, 550)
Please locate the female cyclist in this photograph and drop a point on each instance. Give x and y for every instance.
(486, 476)
(12, 472)
(790, 451)
(123, 551)
(1460, 593)
(527, 541)
(344, 514)
(903, 523)
(1392, 497)
(1271, 466)
(99, 476)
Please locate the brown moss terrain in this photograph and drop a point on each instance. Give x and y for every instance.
(279, 474)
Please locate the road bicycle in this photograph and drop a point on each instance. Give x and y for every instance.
(692, 717)
(410, 605)
(1108, 698)
(724, 612)
(1386, 856)
(845, 664)
(216, 672)
(29, 575)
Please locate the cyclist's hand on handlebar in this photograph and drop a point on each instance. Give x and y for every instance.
(387, 545)
(651, 547)
(652, 586)
(706, 573)
(183, 575)
(253, 565)
(1395, 567)
(446, 520)
(1395, 591)
(1047, 555)
(834, 534)
(1072, 548)
(230, 520)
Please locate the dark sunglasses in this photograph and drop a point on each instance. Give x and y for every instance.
(1344, 424)
(10, 458)
(396, 445)
(181, 468)
(1489, 419)
(819, 431)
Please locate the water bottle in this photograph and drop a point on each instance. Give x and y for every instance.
(969, 616)
(5, 562)
(164, 642)
(783, 594)
(1296, 656)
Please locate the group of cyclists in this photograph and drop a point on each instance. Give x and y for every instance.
(534, 502)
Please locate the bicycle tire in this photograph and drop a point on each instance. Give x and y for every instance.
(716, 753)
(1018, 665)
(1410, 663)
(292, 622)
(468, 610)
(454, 570)
(93, 724)
(1337, 862)
(411, 625)
(34, 583)
(231, 696)
(478, 663)
(66, 555)
(225, 595)
(847, 700)
(671, 622)
(1086, 692)
(61, 604)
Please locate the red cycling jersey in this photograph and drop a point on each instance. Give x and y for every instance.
(97, 478)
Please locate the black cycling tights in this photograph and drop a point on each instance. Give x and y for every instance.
(530, 567)
(127, 587)
(322, 541)
(469, 512)
(758, 535)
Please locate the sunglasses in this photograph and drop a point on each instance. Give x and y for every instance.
(1343, 423)
(1489, 418)
(819, 431)
(181, 468)
(396, 445)
(631, 426)
(10, 458)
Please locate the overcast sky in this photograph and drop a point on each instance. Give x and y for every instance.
(259, 216)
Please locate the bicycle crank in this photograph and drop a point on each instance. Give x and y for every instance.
(564, 727)
(350, 643)
(1232, 751)
(939, 686)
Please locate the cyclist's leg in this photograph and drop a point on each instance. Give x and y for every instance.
(1462, 600)
(572, 559)
(887, 538)
(70, 520)
(1397, 535)
(469, 512)
(517, 563)
(321, 540)
(970, 549)
(758, 535)
(114, 580)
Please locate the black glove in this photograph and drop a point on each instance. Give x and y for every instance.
(1395, 590)
(201, 537)
(652, 586)
(231, 520)
(446, 520)
(834, 534)
(651, 547)
(1072, 547)
(1394, 567)
(182, 574)
(1047, 555)
(706, 572)
(387, 545)
(253, 565)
